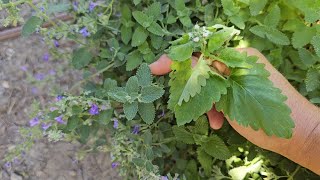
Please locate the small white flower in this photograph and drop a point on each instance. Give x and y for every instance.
(196, 39)
(205, 33)
(190, 35)
(196, 26)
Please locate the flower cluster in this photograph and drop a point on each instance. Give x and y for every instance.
(199, 33)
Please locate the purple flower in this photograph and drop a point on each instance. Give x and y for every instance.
(92, 5)
(56, 43)
(164, 178)
(59, 98)
(46, 57)
(33, 122)
(24, 68)
(84, 31)
(60, 120)
(115, 123)
(162, 114)
(16, 160)
(114, 165)
(39, 76)
(53, 109)
(34, 90)
(94, 110)
(7, 164)
(75, 5)
(52, 72)
(45, 126)
(42, 9)
(136, 129)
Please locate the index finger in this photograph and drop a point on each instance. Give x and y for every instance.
(161, 66)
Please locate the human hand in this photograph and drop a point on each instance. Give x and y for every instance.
(298, 147)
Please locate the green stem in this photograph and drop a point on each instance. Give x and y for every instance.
(93, 75)
(294, 172)
(12, 4)
(167, 140)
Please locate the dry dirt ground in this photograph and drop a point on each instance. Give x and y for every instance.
(20, 61)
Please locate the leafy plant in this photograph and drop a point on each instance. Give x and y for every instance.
(157, 124)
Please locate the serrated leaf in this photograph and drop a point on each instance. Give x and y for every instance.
(154, 10)
(273, 17)
(277, 37)
(303, 36)
(256, 6)
(109, 84)
(130, 109)
(200, 103)
(310, 9)
(132, 85)
(197, 78)
(219, 38)
(201, 127)
(134, 59)
(142, 18)
(181, 52)
(233, 58)
(229, 7)
(57, 8)
(118, 94)
(205, 160)
(81, 58)
(238, 21)
(312, 79)
(216, 148)
(182, 135)
(144, 75)
(151, 93)
(156, 41)
(126, 34)
(156, 29)
(139, 162)
(316, 44)
(258, 30)
(253, 101)
(30, 26)
(139, 36)
(186, 21)
(306, 57)
(147, 112)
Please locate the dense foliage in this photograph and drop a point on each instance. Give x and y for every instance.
(157, 124)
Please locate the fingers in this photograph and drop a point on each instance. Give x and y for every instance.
(161, 66)
(215, 118)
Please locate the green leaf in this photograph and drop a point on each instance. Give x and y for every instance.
(273, 17)
(205, 160)
(156, 41)
(186, 21)
(272, 34)
(139, 36)
(312, 79)
(57, 8)
(126, 34)
(132, 85)
(30, 26)
(306, 57)
(130, 109)
(73, 123)
(109, 84)
(154, 10)
(256, 6)
(138, 162)
(147, 112)
(181, 52)
(144, 75)
(105, 117)
(303, 36)
(258, 30)
(201, 127)
(151, 93)
(118, 94)
(81, 58)
(216, 148)
(142, 18)
(238, 21)
(316, 44)
(149, 166)
(220, 37)
(197, 79)
(149, 153)
(182, 135)
(156, 29)
(252, 100)
(200, 103)
(233, 58)
(229, 7)
(310, 9)
(134, 59)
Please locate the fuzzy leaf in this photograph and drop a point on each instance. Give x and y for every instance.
(156, 29)
(142, 18)
(312, 79)
(316, 44)
(118, 94)
(306, 57)
(256, 6)
(216, 148)
(144, 75)
(303, 36)
(154, 10)
(273, 17)
(139, 36)
(277, 37)
(233, 58)
(229, 7)
(252, 100)
(181, 52)
(81, 58)
(126, 34)
(134, 59)
(201, 126)
(130, 109)
(182, 135)
(147, 112)
(200, 103)
(151, 93)
(197, 78)
(205, 160)
(132, 85)
(30, 26)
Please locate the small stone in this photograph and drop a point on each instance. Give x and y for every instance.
(5, 84)
(14, 176)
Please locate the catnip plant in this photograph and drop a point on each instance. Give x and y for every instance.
(155, 127)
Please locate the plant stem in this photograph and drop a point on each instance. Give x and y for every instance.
(11, 4)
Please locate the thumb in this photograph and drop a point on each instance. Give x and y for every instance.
(161, 66)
